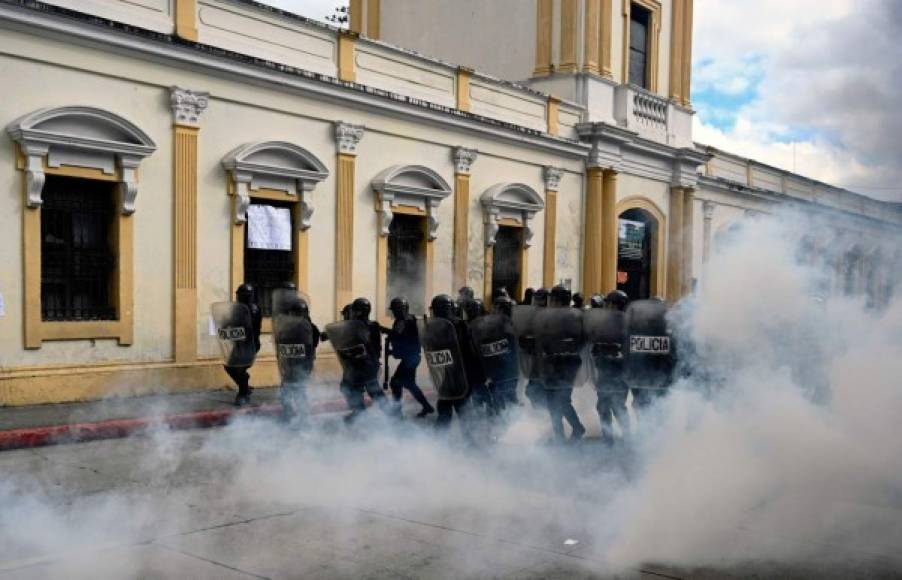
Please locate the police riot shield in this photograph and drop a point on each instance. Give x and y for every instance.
(236, 333)
(605, 338)
(283, 299)
(523, 317)
(560, 343)
(295, 350)
(350, 339)
(493, 337)
(443, 357)
(650, 352)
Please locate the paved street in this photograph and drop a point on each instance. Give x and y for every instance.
(255, 500)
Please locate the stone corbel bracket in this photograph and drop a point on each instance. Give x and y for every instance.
(515, 201)
(83, 137)
(274, 165)
(412, 186)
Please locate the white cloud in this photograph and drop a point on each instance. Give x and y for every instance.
(831, 71)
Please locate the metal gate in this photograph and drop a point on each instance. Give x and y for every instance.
(406, 260)
(506, 258)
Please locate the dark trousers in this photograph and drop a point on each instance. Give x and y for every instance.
(612, 399)
(560, 407)
(242, 379)
(405, 377)
(505, 394)
(446, 409)
(535, 392)
(353, 393)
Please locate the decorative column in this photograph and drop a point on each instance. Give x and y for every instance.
(569, 27)
(187, 107)
(463, 161)
(462, 101)
(186, 19)
(610, 232)
(544, 21)
(675, 244)
(708, 215)
(605, 39)
(552, 176)
(688, 239)
(591, 44)
(593, 237)
(347, 137)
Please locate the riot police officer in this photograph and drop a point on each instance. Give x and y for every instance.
(493, 338)
(245, 295)
(535, 390)
(404, 341)
(650, 358)
(596, 301)
(559, 344)
(472, 309)
(445, 341)
(357, 341)
(578, 300)
(296, 338)
(605, 332)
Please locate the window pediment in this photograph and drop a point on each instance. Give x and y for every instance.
(79, 136)
(412, 186)
(515, 201)
(277, 165)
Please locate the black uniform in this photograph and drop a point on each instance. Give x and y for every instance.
(240, 374)
(404, 340)
(606, 334)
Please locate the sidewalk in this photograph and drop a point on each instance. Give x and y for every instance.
(38, 425)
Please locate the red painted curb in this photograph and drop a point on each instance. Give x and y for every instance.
(117, 428)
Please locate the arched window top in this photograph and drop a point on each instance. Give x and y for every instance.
(513, 196)
(412, 180)
(515, 201)
(86, 127)
(277, 165)
(77, 136)
(276, 158)
(413, 186)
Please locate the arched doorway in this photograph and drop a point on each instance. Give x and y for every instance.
(640, 248)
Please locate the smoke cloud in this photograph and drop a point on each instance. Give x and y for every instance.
(776, 450)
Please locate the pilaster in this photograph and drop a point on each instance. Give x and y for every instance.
(675, 245)
(593, 250)
(609, 231)
(707, 216)
(544, 35)
(569, 27)
(688, 239)
(187, 108)
(347, 137)
(463, 88)
(463, 161)
(552, 177)
(346, 46)
(592, 44)
(186, 19)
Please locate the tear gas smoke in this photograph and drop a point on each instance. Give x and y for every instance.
(779, 445)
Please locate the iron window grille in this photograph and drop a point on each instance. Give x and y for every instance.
(267, 270)
(77, 256)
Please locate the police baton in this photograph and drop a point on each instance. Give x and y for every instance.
(385, 374)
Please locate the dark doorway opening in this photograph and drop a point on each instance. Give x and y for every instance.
(507, 260)
(407, 260)
(635, 256)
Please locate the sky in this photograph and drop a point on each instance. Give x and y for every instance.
(811, 86)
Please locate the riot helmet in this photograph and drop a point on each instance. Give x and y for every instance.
(245, 294)
(442, 306)
(346, 312)
(527, 296)
(399, 307)
(503, 305)
(472, 308)
(560, 296)
(540, 297)
(596, 301)
(299, 307)
(360, 309)
(578, 300)
(466, 293)
(617, 300)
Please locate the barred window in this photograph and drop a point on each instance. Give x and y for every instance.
(267, 270)
(639, 24)
(77, 250)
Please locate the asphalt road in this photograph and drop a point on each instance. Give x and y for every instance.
(255, 500)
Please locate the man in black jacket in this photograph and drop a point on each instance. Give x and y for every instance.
(405, 346)
(245, 295)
